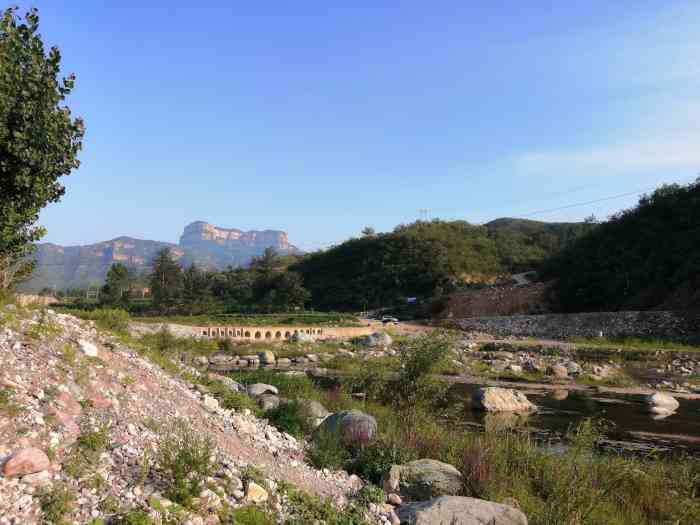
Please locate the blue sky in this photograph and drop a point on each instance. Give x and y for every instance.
(321, 119)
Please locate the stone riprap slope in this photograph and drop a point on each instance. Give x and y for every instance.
(670, 325)
(65, 386)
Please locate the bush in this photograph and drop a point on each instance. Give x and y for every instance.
(305, 509)
(132, 517)
(56, 503)
(419, 358)
(8, 407)
(229, 399)
(248, 515)
(374, 460)
(111, 319)
(327, 451)
(86, 452)
(184, 457)
(371, 494)
(292, 418)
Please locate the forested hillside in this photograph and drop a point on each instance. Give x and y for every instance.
(425, 259)
(645, 257)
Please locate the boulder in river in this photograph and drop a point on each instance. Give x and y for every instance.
(423, 479)
(456, 510)
(496, 399)
(558, 371)
(661, 403)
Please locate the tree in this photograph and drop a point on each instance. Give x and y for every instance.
(39, 141)
(196, 294)
(368, 231)
(115, 292)
(166, 280)
(266, 262)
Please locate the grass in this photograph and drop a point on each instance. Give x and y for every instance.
(633, 344)
(184, 459)
(57, 503)
(8, 406)
(580, 486)
(86, 451)
(305, 509)
(249, 515)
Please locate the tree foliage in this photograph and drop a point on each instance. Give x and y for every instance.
(39, 140)
(115, 291)
(425, 259)
(644, 257)
(166, 280)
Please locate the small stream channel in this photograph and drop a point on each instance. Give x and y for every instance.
(631, 426)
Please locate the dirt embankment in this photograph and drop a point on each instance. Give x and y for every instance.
(498, 300)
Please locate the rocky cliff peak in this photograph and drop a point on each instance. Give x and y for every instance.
(200, 232)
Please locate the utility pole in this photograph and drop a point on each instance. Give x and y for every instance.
(423, 214)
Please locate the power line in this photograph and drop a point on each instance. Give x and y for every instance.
(602, 199)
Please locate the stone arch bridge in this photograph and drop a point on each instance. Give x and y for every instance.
(250, 333)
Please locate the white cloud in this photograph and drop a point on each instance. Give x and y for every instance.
(680, 154)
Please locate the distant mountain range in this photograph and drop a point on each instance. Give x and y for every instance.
(200, 242)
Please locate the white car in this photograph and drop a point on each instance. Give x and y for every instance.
(388, 319)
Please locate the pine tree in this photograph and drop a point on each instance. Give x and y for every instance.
(166, 280)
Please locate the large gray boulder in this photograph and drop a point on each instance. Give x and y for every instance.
(352, 426)
(313, 410)
(496, 399)
(233, 386)
(422, 480)
(218, 359)
(258, 389)
(266, 357)
(377, 340)
(456, 510)
(268, 401)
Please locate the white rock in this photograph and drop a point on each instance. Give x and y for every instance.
(210, 403)
(88, 348)
(495, 399)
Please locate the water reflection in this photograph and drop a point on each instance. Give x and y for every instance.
(560, 410)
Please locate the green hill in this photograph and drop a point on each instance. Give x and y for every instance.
(642, 258)
(424, 259)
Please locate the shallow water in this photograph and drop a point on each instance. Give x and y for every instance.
(629, 421)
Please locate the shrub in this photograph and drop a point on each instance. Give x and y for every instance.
(132, 517)
(292, 417)
(327, 451)
(420, 357)
(252, 473)
(86, 452)
(56, 503)
(94, 440)
(248, 515)
(8, 407)
(371, 494)
(184, 458)
(305, 509)
(229, 399)
(374, 460)
(111, 319)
